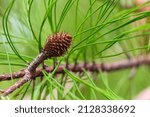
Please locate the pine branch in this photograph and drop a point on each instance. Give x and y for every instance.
(55, 46)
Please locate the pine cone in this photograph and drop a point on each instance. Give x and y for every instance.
(57, 44)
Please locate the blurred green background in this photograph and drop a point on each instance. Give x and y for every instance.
(102, 30)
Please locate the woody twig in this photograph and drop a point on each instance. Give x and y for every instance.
(108, 67)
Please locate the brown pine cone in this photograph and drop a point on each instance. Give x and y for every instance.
(57, 44)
